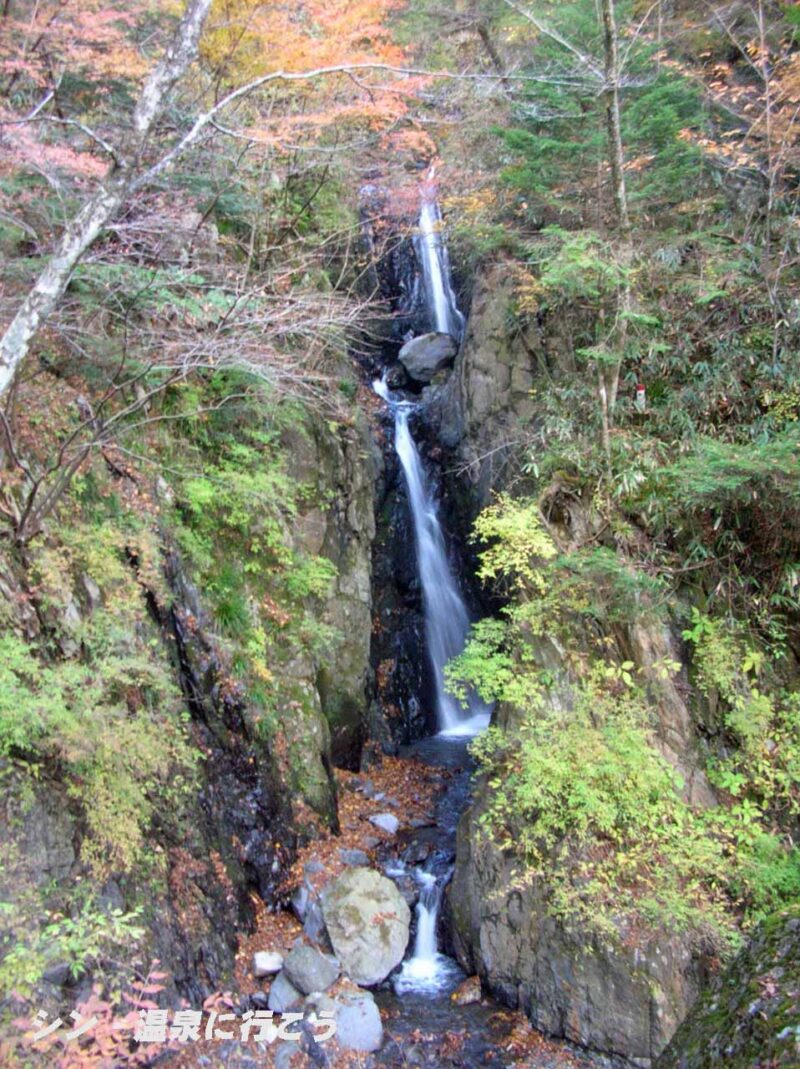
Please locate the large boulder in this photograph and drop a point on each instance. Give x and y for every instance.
(368, 924)
(357, 1017)
(422, 357)
(750, 1014)
(358, 1022)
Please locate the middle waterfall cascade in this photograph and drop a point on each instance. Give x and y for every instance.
(446, 617)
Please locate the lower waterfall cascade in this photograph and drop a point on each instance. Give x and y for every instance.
(428, 969)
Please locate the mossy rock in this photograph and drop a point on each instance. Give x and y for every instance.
(749, 1018)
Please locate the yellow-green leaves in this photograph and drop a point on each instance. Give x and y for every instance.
(519, 543)
(109, 717)
(580, 793)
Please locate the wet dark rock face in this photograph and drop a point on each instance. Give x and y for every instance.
(228, 849)
(397, 273)
(402, 707)
(240, 798)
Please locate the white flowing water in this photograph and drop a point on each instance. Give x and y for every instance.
(446, 617)
(435, 263)
(427, 970)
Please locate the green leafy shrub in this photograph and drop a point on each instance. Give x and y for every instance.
(236, 509)
(109, 718)
(578, 790)
(80, 942)
(584, 799)
(760, 771)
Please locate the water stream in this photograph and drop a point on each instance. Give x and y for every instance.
(447, 621)
(429, 1022)
(446, 618)
(434, 262)
(425, 1026)
(428, 971)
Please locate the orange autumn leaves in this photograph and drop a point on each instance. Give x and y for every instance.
(249, 38)
(79, 52)
(246, 39)
(761, 88)
(92, 55)
(44, 42)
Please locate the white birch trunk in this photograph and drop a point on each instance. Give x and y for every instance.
(98, 211)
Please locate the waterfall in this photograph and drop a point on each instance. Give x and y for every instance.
(425, 946)
(435, 263)
(427, 970)
(423, 962)
(446, 617)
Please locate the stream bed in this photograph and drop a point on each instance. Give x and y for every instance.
(424, 1026)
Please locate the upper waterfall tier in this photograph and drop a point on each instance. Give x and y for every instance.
(434, 261)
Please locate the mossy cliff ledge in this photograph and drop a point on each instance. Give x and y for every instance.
(173, 713)
(749, 1015)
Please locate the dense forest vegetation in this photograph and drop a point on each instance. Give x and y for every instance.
(199, 211)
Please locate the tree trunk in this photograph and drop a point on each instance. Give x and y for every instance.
(107, 201)
(616, 154)
(616, 157)
(491, 50)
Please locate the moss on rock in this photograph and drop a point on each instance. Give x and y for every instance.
(749, 1017)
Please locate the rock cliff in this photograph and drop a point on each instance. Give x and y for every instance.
(626, 999)
(750, 1014)
(233, 826)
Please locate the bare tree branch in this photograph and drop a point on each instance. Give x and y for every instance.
(106, 202)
